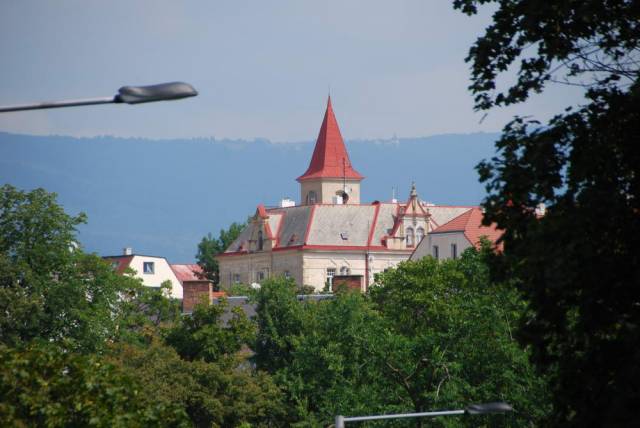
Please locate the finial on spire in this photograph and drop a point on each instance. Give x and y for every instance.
(414, 192)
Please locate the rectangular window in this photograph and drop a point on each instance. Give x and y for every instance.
(148, 267)
(454, 251)
(436, 252)
(260, 275)
(236, 278)
(287, 274)
(331, 272)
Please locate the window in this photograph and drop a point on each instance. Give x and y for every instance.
(454, 251)
(410, 237)
(344, 270)
(260, 275)
(148, 267)
(236, 278)
(260, 241)
(287, 274)
(419, 235)
(331, 272)
(311, 198)
(436, 252)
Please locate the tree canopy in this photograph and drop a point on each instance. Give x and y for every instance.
(432, 335)
(210, 246)
(578, 265)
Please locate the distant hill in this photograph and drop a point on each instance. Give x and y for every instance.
(162, 196)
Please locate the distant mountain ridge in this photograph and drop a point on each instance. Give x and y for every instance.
(161, 196)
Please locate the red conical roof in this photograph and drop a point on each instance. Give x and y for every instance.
(330, 158)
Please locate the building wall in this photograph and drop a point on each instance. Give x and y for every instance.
(270, 263)
(162, 272)
(444, 240)
(308, 267)
(316, 263)
(326, 189)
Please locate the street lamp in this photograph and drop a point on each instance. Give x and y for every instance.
(126, 94)
(474, 409)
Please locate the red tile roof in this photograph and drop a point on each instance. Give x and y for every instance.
(187, 272)
(330, 158)
(470, 223)
(120, 263)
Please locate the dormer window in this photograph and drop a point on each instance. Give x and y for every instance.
(410, 237)
(312, 198)
(260, 241)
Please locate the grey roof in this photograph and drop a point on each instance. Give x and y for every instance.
(336, 225)
(384, 224)
(294, 225)
(249, 307)
(342, 225)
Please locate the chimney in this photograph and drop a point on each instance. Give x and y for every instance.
(127, 251)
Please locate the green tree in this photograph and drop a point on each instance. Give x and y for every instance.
(279, 322)
(44, 386)
(578, 266)
(432, 336)
(50, 289)
(210, 246)
(448, 340)
(212, 395)
(203, 335)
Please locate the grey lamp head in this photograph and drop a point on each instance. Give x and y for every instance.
(161, 92)
(486, 408)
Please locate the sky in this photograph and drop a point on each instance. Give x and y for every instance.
(263, 69)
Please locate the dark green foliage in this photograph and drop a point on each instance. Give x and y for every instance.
(44, 386)
(202, 334)
(279, 322)
(212, 395)
(80, 344)
(578, 266)
(432, 336)
(588, 42)
(209, 247)
(450, 339)
(49, 289)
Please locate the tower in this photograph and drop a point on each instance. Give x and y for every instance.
(330, 178)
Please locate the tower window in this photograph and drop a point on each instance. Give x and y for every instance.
(260, 241)
(311, 198)
(419, 235)
(410, 237)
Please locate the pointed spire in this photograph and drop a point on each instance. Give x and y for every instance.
(330, 158)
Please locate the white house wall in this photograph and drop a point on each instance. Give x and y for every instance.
(162, 272)
(444, 240)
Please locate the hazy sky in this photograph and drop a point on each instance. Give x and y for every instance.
(263, 68)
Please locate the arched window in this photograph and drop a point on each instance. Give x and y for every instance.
(311, 198)
(419, 235)
(260, 241)
(410, 237)
(344, 270)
